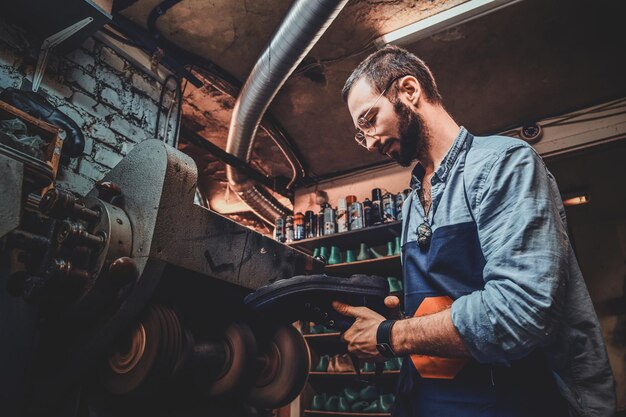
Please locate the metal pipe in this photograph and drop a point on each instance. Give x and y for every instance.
(299, 31)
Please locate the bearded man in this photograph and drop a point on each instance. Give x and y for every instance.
(500, 320)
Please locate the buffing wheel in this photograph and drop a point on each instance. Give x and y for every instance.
(283, 365)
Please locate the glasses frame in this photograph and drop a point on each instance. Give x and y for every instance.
(365, 124)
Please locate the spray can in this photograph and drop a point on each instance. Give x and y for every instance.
(399, 202)
(320, 220)
(310, 224)
(356, 216)
(367, 212)
(289, 233)
(377, 206)
(389, 208)
(298, 226)
(330, 221)
(342, 216)
(279, 230)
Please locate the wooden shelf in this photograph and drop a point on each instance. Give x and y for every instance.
(351, 374)
(321, 335)
(385, 266)
(340, 413)
(373, 236)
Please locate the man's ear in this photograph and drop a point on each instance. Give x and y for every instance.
(409, 89)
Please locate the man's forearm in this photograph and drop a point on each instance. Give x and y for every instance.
(432, 335)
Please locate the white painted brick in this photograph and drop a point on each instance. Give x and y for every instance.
(110, 78)
(127, 129)
(9, 77)
(74, 182)
(111, 97)
(100, 133)
(106, 156)
(92, 170)
(88, 146)
(82, 79)
(146, 85)
(53, 85)
(82, 59)
(75, 114)
(113, 60)
(127, 147)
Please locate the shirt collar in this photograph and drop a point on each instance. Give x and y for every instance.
(446, 164)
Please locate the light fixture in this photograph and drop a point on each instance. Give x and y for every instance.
(424, 28)
(576, 200)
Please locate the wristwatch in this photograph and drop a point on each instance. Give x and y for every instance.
(383, 338)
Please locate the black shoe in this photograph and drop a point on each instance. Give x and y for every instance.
(309, 298)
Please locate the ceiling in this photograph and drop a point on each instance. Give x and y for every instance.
(533, 59)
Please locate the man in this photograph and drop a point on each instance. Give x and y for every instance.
(501, 323)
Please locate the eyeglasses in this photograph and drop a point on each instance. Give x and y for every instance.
(365, 123)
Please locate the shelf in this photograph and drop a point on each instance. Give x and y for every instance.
(385, 266)
(373, 236)
(321, 335)
(341, 413)
(351, 374)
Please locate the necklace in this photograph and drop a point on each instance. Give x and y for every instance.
(424, 231)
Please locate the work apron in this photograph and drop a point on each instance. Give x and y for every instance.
(452, 266)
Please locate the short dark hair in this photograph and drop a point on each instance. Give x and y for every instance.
(392, 62)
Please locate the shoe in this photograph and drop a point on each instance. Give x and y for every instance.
(374, 407)
(358, 406)
(350, 394)
(343, 363)
(332, 403)
(369, 393)
(385, 402)
(332, 364)
(309, 297)
(322, 365)
(344, 405)
(319, 402)
(368, 367)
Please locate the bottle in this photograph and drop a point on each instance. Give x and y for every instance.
(342, 216)
(377, 206)
(320, 220)
(310, 224)
(356, 216)
(399, 202)
(367, 212)
(389, 208)
(289, 234)
(298, 226)
(330, 221)
(279, 230)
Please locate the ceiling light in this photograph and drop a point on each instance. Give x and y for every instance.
(424, 28)
(576, 200)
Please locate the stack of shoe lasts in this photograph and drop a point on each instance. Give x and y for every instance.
(319, 329)
(393, 364)
(335, 364)
(367, 400)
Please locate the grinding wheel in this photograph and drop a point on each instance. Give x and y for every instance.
(134, 356)
(147, 355)
(283, 366)
(240, 351)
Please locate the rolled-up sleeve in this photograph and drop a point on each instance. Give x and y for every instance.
(525, 245)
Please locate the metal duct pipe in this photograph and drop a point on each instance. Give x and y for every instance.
(299, 31)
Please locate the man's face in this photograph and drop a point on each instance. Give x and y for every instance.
(394, 128)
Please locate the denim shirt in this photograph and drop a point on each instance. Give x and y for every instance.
(534, 295)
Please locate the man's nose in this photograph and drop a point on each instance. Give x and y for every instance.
(371, 142)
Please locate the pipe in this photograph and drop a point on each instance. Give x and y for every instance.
(299, 31)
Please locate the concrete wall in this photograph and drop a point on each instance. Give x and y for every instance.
(113, 102)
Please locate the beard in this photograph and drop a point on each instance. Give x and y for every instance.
(412, 135)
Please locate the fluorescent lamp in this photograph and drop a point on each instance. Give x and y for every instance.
(462, 13)
(576, 200)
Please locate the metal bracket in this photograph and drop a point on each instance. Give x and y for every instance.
(49, 43)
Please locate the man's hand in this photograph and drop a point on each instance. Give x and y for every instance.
(361, 336)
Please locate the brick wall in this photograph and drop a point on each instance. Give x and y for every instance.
(113, 102)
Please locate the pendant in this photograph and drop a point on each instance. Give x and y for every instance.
(424, 234)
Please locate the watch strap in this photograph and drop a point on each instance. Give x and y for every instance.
(383, 338)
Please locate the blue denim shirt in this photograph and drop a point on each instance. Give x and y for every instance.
(534, 295)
